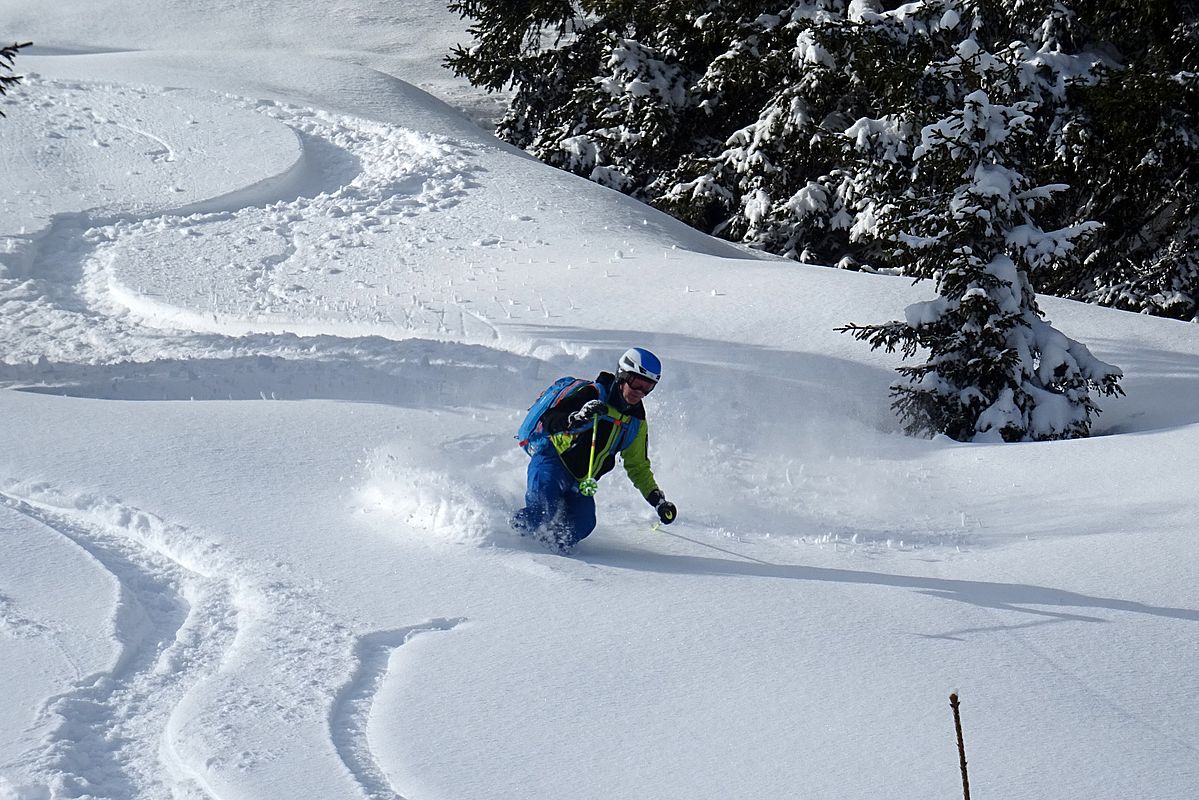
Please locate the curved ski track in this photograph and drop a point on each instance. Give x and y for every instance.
(71, 328)
(182, 618)
(175, 625)
(351, 712)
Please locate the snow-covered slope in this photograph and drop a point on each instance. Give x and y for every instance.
(270, 314)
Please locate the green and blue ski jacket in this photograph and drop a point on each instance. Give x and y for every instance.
(620, 429)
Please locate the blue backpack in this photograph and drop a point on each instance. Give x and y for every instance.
(531, 432)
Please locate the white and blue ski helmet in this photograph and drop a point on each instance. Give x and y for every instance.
(639, 361)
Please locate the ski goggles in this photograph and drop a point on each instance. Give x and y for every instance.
(643, 385)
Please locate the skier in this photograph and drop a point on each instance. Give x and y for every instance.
(576, 440)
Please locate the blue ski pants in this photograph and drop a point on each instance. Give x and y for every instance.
(553, 501)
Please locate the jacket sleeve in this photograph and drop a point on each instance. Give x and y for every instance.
(554, 418)
(636, 462)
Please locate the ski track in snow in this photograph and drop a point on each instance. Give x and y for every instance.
(351, 712)
(354, 180)
(175, 624)
(186, 613)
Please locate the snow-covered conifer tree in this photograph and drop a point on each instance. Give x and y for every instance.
(996, 370)
(770, 178)
(1130, 151)
(7, 79)
(606, 88)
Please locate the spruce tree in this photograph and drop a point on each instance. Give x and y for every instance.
(996, 369)
(1131, 157)
(774, 100)
(623, 91)
(7, 79)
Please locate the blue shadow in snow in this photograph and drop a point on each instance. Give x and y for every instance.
(1016, 597)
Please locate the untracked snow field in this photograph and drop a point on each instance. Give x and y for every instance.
(270, 314)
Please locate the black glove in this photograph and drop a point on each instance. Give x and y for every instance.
(666, 510)
(591, 408)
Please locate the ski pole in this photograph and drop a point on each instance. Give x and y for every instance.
(588, 485)
(657, 526)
